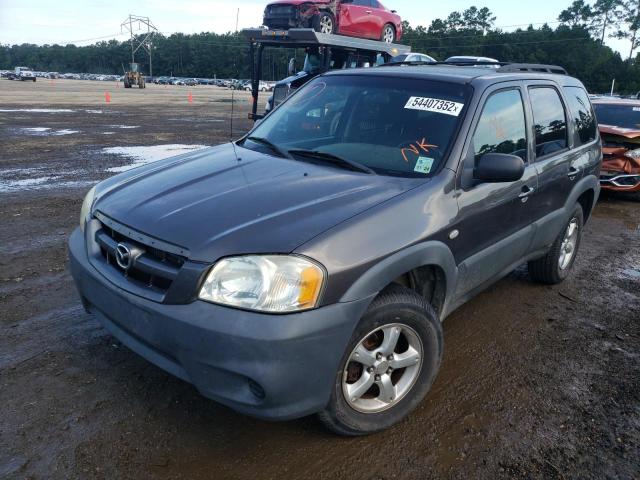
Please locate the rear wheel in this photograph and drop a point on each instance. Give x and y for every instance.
(388, 33)
(324, 22)
(556, 265)
(389, 366)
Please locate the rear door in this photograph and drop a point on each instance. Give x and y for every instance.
(559, 166)
(355, 18)
(376, 19)
(494, 222)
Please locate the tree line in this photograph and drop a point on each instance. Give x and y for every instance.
(576, 42)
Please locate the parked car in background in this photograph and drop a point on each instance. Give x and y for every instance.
(22, 74)
(413, 57)
(354, 18)
(377, 202)
(619, 123)
(471, 59)
(263, 87)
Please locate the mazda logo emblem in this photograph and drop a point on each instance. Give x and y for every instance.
(123, 256)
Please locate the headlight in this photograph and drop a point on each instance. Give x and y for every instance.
(266, 283)
(633, 154)
(86, 207)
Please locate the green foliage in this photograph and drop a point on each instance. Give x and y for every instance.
(575, 44)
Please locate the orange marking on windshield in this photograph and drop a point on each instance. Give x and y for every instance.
(413, 149)
(423, 145)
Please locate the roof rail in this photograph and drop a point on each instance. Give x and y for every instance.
(532, 67)
(501, 67)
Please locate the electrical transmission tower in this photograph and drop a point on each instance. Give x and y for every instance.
(136, 26)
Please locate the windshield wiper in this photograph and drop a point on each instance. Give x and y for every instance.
(271, 145)
(334, 160)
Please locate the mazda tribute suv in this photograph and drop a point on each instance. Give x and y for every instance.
(307, 268)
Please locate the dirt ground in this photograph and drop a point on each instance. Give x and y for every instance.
(537, 382)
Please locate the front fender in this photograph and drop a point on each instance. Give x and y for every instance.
(430, 253)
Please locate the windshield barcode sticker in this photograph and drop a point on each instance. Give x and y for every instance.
(435, 105)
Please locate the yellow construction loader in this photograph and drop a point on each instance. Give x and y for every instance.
(134, 77)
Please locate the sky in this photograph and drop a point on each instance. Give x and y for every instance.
(86, 21)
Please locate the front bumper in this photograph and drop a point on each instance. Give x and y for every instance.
(275, 367)
(286, 17)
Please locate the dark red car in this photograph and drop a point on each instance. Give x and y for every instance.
(619, 122)
(355, 18)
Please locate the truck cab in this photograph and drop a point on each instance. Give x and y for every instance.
(23, 73)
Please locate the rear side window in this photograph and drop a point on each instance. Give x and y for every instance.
(550, 121)
(502, 127)
(583, 116)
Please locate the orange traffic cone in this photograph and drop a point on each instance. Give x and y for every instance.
(107, 97)
(190, 98)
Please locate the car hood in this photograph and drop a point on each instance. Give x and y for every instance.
(214, 205)
(617, 142)
(622, 132)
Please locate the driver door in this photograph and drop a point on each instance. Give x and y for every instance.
(495, 221)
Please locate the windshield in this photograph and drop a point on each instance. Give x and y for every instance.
(393, 126)
(623, 116)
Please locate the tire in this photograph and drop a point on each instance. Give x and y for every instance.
(324, 22)
(388, 33)
(395, 309)
(555, 267)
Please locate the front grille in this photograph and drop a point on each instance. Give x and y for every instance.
(281, 10)
(150, 268)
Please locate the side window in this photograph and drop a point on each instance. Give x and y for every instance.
(363, 3)
(549, 119)
(583, 115)
(502, 127)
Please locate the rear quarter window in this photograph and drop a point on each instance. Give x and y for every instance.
(583, 115)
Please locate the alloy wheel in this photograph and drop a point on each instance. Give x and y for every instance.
(382, 368)
(326, 24)
(569, 243)
(388, 34)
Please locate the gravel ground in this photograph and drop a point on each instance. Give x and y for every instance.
(537, 382)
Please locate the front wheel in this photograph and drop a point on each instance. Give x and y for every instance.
(388, 34)
(389, 366)
(324, 23)
(556, 265)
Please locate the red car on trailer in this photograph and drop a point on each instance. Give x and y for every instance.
(355, 18)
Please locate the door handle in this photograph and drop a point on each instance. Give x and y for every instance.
(573, 173)
(527, 191)
(369, 12)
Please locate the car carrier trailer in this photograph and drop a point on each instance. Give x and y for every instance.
(324, 52)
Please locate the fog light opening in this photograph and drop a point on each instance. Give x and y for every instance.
(257, 390)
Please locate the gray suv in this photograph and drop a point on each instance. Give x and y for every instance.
(307, 268)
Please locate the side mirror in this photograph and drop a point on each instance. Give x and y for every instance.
(292, 67)
(499, 167)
